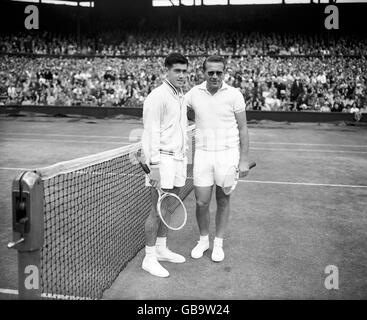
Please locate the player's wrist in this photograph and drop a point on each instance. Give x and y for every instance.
(154, 165)
(244, 161)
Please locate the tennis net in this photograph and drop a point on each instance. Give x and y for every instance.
(94, 213)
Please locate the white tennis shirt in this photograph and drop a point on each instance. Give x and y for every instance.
(216, 125)
(165, 123)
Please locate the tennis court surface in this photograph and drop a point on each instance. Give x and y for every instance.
(302, 208)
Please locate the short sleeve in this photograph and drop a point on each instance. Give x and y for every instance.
(239, 102)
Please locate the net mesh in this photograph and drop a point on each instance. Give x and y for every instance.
(94, 214)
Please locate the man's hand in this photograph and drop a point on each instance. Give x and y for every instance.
(244, 169)
(155, 178)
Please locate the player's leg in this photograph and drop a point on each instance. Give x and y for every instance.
(223, 210)
(203, 182)
(163, 230)
(167, 181)
(173, 181)
(203, 196)
(224, 160)
(150, 261)
(152, 223)
(221, 223)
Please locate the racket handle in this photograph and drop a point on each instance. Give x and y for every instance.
(144, 167)
(252, 165)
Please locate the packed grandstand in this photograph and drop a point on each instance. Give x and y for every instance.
(274, 71)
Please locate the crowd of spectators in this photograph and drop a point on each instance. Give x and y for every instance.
(267, 83)
(71, 82)
(334, 83)
(317, 84)
(226, 42)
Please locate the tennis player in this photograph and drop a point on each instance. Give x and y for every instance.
(164, 144)
(221, 142)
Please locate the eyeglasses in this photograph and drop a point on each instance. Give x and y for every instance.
(218, 73)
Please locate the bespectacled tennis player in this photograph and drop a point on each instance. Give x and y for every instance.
(222, 142)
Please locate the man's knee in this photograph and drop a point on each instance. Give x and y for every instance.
(223, 201)
(202, 203)
(203, 196)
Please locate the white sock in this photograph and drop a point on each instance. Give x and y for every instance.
(204, 239)
(161, 242)
(218, 242)
(150, 251)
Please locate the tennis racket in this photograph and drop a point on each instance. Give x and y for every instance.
(170, 207)
(231, 179)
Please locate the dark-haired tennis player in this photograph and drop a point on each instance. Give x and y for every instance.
(164, 145)
(221, 142)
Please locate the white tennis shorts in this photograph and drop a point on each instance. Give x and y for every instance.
(172, 172)
(211, 166)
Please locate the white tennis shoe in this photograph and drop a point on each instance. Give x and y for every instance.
(217, 254)
(151, 265)
(165, 254)
(199, 249)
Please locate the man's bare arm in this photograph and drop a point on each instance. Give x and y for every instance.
(244, 143)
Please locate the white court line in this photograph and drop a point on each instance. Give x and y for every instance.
(15, 169)
(304, 184)
(61, 135)
(308, 150)
(72, 141)
(259, 181)
(126, 143)
(8, 291)
(139, 137)
(310, 144)
(47, 295)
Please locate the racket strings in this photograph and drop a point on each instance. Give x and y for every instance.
(230, 180)
(172, 211)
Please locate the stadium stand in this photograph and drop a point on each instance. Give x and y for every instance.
(114, 65)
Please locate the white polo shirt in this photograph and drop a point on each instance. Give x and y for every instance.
(165, 123)
(216, 125)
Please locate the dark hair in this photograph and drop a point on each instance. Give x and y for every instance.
(174, 58)
(214, 58)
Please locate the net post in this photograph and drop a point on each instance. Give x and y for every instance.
(27, 225)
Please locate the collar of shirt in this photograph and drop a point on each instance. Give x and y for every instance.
(173, 88)
(223, 87)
